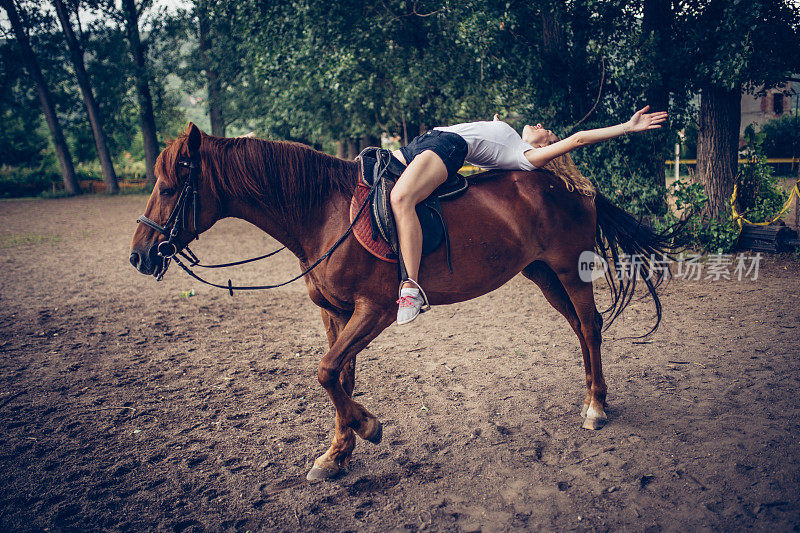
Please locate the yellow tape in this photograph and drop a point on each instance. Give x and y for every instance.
(741, 221)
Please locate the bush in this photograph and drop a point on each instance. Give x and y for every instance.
(16, 182)
(781, 138)
(759, 197)
(709, 234)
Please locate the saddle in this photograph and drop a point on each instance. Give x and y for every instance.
(379, 172)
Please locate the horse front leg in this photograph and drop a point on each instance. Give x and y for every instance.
(334, 323)
(351, 417)
(344, 438)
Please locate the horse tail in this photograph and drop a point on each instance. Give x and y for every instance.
(632, 250)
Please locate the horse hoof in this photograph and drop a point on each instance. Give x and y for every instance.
(594, 423)
(584, 409)
(318, 472)
(377, 434)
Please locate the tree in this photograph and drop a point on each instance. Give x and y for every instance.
(212, 76)
(21, 142)
(130, 15)
(658, 38)
(45, 98)
(750, 46)
(215, 65)
(92, 110)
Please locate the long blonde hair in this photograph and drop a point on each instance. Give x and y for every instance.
(564, 167)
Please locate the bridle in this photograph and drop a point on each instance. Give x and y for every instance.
(177, 218)
(177, 221)
(168, 250)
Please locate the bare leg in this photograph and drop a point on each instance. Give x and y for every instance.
(422, 176)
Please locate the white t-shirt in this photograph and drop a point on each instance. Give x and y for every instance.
(493, 144)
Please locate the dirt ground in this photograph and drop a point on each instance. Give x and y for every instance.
(126, 406)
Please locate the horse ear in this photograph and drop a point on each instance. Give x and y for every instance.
(194, 138)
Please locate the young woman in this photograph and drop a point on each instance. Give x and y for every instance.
(432, 157)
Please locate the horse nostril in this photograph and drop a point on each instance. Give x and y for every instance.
(135, 259)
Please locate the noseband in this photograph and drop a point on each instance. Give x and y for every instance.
(177, 218)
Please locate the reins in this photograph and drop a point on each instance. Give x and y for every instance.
(168, 251)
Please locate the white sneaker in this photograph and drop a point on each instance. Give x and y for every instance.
(410, 303)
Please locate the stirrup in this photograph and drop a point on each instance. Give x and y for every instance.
(425, 305)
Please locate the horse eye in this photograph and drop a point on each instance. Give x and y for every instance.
(167, 191)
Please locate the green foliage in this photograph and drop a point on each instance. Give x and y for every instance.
(718, 234)
(709, 234)
(23, 139)
(781, 136)
(20, 140)
(759, 196)
(759, 199)
(320, 72)
(782, 139)
(688, 196)
(16, 182)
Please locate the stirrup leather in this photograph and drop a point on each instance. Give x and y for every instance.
(425, 305)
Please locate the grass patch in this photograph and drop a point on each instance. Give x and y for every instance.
(26, 239)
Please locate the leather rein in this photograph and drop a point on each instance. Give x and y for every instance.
(177, 221)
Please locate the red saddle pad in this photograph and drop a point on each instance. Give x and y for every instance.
(363, 228)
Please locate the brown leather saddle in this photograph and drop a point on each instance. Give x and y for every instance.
(380, 171)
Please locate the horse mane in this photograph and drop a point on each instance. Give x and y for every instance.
(287, 178)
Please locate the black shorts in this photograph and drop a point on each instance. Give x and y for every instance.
(450, 147)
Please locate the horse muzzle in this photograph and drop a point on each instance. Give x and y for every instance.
(148, 262)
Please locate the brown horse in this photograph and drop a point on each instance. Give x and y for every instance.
(515, 222)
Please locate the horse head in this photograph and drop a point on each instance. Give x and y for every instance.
(180, 206)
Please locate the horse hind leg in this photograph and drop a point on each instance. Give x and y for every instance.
(581, 294)
(543, 276)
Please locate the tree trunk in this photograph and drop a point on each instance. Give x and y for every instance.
(341, 148)
(76, 54)
(212, 76)
(352, 148)
(718, 144)
(369, 140)
(45, 98)
(561, 67)
(656, 25)
(142, 88)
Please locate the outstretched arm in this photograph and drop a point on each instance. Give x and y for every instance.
(640, 121)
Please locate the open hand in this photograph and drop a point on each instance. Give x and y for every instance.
(642, 120)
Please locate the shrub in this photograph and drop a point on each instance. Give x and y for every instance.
(781, 138)
(759, 197)
(15, 182)
(701, 232)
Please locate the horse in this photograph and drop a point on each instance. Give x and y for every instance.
(507, 223)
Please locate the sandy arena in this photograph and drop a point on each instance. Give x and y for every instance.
(126, 404)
